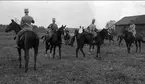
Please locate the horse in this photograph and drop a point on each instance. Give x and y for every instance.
(129, 39)
(28, 40)
(67, 37)
(87, 38)
(55, 41)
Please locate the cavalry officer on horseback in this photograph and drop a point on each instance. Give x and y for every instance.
(132, 28)
(92, 28)
(25, 25)
(51, 29)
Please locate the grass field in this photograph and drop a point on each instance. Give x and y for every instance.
(116, 67)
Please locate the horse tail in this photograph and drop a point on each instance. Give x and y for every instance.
(42, 36)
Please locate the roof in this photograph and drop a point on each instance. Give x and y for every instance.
(139, 19)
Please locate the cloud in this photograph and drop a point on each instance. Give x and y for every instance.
(70, 13)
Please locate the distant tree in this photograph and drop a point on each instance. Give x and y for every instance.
(111, 25)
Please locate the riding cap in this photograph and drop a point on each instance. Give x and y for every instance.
(53, 19)
(93, 20)
(26, 10)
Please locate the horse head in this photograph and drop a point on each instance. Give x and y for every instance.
(13, 26)
(104, 32)
(61, 29)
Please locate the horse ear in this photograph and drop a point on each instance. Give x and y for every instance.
(12, 20)
(62, 26)
(65, 26)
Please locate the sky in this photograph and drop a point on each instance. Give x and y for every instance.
(70, 13)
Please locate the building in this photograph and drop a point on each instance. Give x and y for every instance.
(139, 21)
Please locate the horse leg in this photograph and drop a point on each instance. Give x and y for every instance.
(51, 51)
(35, 56)
(46, 48)
(54, 51)
(93, 48)
(119, 41)
(139, 46)
(67, 41)
(113, 40)
(127, 45)
(109, 41)
(136, 46)
(82, 51)
(26, 59)
(19, 51)
(118, 38)
(98, 52)
(77, 50)
(59, 52)
(90, 49)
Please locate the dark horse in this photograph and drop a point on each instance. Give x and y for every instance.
(87, 38)
(129, 39)
(55, 41)
(28, 40)
(67, 37)
(110, 38)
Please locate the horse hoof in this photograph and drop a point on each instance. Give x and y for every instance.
(45, 55)
(50, 55)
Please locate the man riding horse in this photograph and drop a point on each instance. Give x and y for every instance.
(25, 25)
(51, 29)
(132, 28)
(92, 28)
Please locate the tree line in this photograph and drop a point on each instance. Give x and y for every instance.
(41, 29)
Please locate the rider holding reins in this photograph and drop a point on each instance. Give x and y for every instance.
(51, 29)
(92, 28)
(25, 25)
(132, 28)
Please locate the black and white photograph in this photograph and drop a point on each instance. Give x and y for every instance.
(72, 42)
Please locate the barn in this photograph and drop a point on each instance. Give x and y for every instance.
(139, 21)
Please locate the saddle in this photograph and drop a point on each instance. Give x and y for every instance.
(21, 37)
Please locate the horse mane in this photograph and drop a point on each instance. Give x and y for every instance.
(18, 25)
